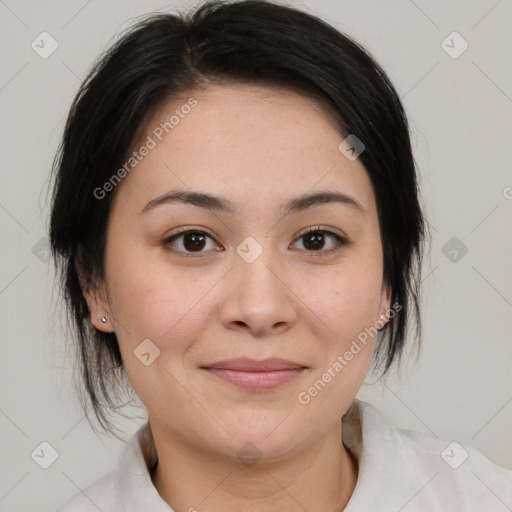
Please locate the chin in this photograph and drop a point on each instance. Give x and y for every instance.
(269, 438)
(250, 449)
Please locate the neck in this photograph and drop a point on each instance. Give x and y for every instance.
(322, 478)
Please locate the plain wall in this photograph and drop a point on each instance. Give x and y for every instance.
(459, 110)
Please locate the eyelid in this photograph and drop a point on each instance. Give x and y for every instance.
(340, 238)
(186, 229)
(341, 241)
(326, 229)
(303, 232)
(182, 231)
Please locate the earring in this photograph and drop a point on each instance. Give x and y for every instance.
(104, 320)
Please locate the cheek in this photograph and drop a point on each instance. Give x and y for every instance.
(150, 302)
(350, 300)
(158, 310)
(348, 307)
(154, 307)
(348, 303)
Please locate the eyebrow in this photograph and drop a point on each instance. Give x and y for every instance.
(220, 204)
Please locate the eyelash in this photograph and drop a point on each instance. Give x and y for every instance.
(341, 241)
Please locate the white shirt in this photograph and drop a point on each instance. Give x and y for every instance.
(399, 470)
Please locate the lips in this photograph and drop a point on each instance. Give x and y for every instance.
(252, 374)
(251, 365)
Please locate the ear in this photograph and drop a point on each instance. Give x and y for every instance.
(385, 305)
(95, 297)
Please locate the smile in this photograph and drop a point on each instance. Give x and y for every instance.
(255, 375)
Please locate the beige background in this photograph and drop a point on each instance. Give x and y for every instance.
(461, 389)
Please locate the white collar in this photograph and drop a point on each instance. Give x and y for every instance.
(397, 470)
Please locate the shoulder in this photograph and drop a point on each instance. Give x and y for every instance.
(421, 472)
(101, 495)
(128, 488)
(459, 472)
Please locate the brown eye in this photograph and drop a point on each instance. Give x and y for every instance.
(189, 241)
(316, 240)
(193, 241)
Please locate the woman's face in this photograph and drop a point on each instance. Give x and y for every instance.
(250, 284)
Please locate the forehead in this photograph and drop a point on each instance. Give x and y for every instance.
(248, 143)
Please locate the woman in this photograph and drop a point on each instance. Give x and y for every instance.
(237, 228)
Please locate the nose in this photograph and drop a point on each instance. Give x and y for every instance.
(258, 297)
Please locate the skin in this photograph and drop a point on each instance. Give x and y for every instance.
(257, 147)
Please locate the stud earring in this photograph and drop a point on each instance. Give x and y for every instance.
(104, 320)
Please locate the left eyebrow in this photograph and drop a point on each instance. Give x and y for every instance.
(307, 201)
(220, 204)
